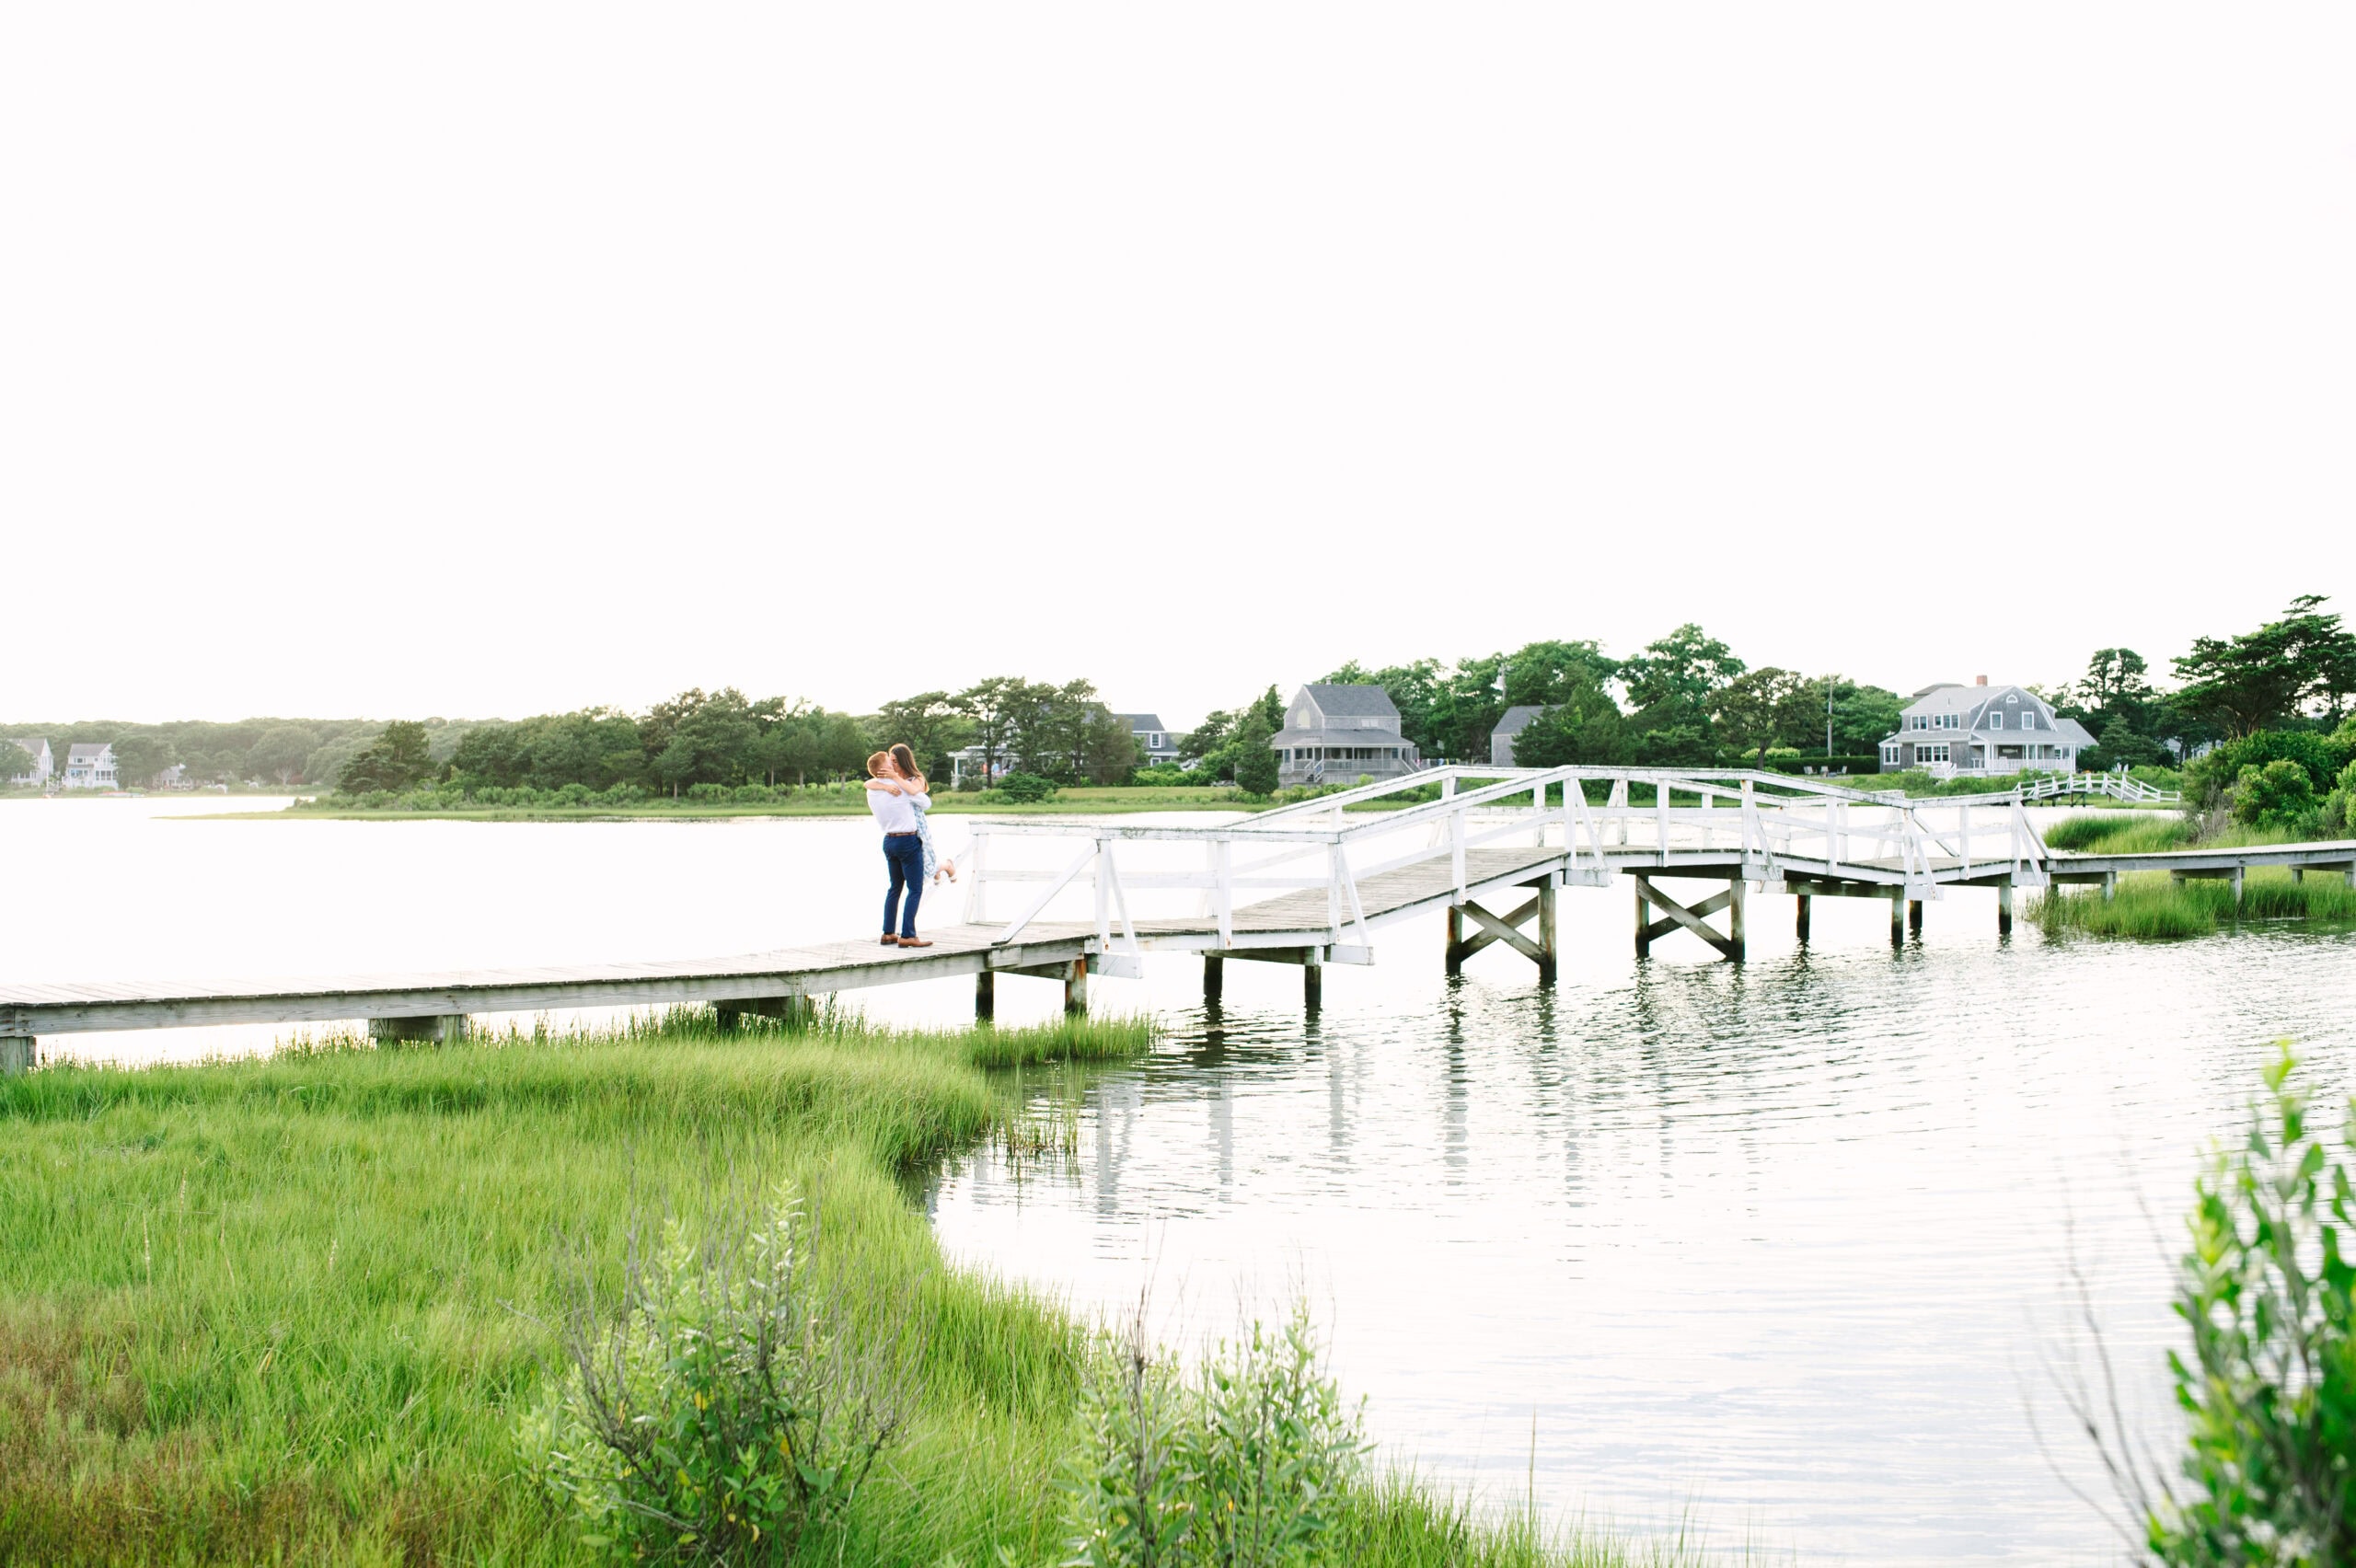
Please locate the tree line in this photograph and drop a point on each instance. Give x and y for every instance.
(1063, 733)
(1685, 699)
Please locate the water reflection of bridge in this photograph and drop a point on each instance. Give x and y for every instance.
(1308, 884)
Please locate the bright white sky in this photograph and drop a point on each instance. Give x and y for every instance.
(474, 359)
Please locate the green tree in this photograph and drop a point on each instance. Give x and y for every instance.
(1585, 730)
(932, 723)
(1110, 754)
(2115, 686)
(996, 708)
(1217, 729)
(281, 751)
(2305, 662)
(1861, 715)
(1678, 677)
(139, 758)
(676, 763)
(1256, 759)
(1759, 708)
(398, 759)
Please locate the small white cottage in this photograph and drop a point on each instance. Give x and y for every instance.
(90, 766)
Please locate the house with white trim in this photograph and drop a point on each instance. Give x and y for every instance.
(90, 766)
(38, 763)
(1335, 733)
(1951, 729)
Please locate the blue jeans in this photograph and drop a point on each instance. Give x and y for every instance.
(905, 855)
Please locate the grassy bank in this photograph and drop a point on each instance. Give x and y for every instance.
(290, 1310)
(2153, 904)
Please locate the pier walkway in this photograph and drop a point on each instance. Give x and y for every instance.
(1309, 885)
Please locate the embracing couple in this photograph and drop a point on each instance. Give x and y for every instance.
(895, 793)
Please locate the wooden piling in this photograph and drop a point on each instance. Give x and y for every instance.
(2004, 909)
(985, 996)
(1644, 921)
(1546, 936)
(1897, 917)
(1800, 921)
(1312, 980)
(1076, 987)
(1214, 977)
(1914, 916)
(19, 1054)
(1736, 945)
(1455, 939)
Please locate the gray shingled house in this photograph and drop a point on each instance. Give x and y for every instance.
(1950, 729)
(1333, 735)
(1508, 730)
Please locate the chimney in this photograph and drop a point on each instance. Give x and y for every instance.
(1979, 680)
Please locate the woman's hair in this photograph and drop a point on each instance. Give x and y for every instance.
(905, 760)
(878, 765)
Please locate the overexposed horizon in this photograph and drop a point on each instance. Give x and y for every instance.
(482, 362)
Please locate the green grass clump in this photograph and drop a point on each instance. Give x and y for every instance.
(295, 1309)
(2120, 832)
(2151, 905)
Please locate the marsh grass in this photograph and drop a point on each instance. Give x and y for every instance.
(295, 1309)
(2151, 905)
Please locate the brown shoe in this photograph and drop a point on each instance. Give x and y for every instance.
(913, 942)
(891, 940)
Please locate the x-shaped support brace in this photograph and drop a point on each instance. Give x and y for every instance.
(1506, 929)
(1693, 917)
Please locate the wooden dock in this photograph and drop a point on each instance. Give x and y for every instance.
(1308, 884)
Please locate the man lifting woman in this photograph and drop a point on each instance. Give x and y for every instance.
(896, 795)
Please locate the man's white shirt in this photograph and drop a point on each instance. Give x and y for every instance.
(898, 814)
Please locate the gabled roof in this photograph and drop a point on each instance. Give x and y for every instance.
(2070, 729)
(86, 752)
(1143, 721)
(1352, 701)
(1516, 720)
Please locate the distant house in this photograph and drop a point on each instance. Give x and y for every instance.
(1950, 729)
(1156, 744)
(90, 768)
(1508, 731)
(43, 762)
(1334, 733)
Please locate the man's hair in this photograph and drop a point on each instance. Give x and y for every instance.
(877, 763)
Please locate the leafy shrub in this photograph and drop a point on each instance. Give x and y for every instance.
(722, 1416)
(2281, 791)
(1023, 788)
(2270, 1388)
(1247, 1465)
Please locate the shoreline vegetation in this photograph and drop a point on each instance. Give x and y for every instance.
(303, 1309)
(2153, 906)
(847, 799)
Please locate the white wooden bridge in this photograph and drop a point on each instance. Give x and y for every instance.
(1310, 884)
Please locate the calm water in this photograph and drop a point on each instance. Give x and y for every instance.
(1778, 1249)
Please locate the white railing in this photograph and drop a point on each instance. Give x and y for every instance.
(2118, 786)
(1196, 877)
